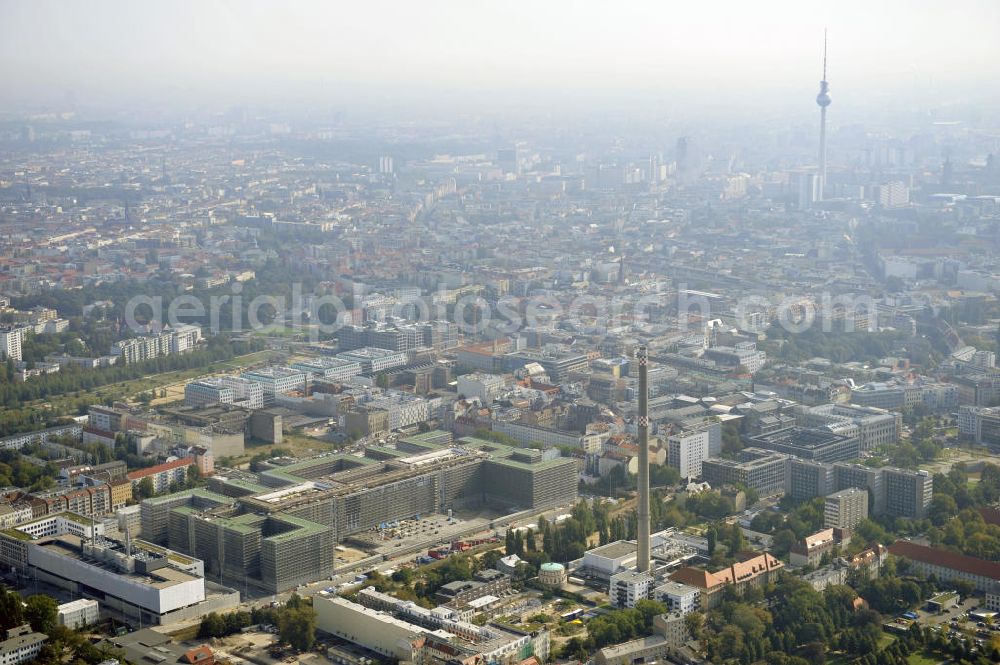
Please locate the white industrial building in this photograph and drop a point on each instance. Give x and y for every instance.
(78, 613)
(604, 561)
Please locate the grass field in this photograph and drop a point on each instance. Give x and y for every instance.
(129, 389)
(923, 658)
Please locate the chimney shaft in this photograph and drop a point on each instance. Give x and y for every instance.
(642, 510)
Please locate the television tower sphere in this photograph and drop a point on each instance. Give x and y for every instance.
(823, 98)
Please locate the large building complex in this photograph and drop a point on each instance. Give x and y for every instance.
(873, 427)
(281, 531)
(821, 445)
(130, 579)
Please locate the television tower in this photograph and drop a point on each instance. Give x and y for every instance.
(823, 99)
(642, 510)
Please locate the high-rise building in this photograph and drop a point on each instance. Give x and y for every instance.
(907, 493)
(686, 451)
(808, 479)
(862, 477)
(10, 344)
(844, 509)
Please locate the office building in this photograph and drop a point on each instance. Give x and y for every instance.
(862, 477)
(276, 381)
(821, 445)
(280, 529)
(907, 493)
(234, 390)
(484, 387)
(745, 356)
(686, 451)
(373, 360)
(331, 369)
(762, 470)
(808, 479)
(844, 509)
(948, 566)
(874, 427)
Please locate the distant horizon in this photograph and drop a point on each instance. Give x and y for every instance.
(725, 58)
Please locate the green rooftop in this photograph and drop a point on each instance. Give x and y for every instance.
(303, 528)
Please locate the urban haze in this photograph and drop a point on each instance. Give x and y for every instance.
(480, 333)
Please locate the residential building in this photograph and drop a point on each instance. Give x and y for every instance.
(163, 475)
(628, 587)
(679, 598)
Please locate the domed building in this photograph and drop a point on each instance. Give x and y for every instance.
(552, 574)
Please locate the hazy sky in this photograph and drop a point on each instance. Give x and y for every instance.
(736, 51)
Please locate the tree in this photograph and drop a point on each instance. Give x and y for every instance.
(11, 609)
(693, 622)
(41, 612)
(212, 625)
(297, 626)
(575, 648)
(144, 489)
(193, 475)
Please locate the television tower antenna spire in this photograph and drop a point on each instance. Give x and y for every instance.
(824, 54)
